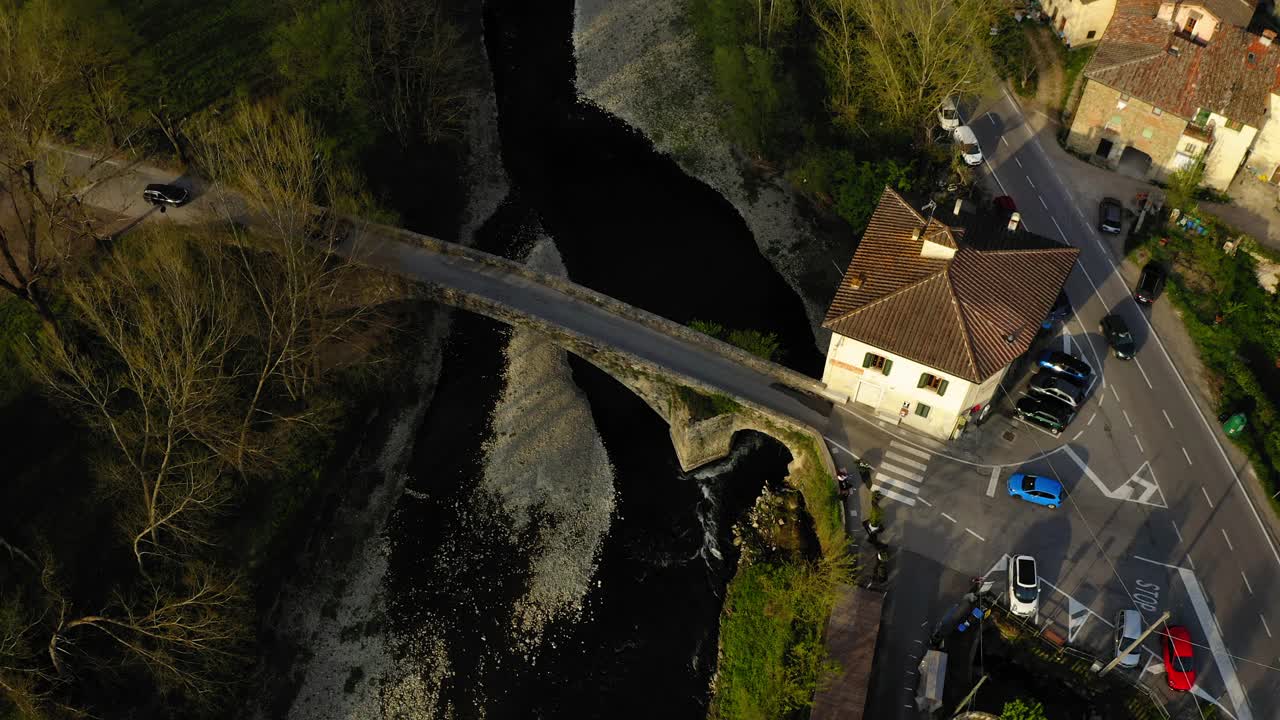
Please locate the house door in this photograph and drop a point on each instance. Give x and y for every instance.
(869, 394)
(1275, 176)
(1104, 148)
(1062, 24)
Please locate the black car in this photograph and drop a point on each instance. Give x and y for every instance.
(1063, 388)
(1049, 414)
(1116, 330)
(1059, 312)
(160, 194)
(1065, 364)
(1150, 283)
(1110, 212)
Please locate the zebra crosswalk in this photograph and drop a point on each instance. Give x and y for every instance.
(901, 473)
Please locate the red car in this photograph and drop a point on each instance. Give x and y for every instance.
(1179, 667)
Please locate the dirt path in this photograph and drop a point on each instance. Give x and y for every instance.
(1048, 57)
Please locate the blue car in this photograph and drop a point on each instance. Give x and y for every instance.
(1064, 364)
(1036, 489)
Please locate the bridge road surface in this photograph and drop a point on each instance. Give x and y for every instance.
(1214, 550)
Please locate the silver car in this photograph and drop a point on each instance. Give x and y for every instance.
(1059, 387)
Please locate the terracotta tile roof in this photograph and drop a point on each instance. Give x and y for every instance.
(1140, 55)
(1230, 12)
(950, 314)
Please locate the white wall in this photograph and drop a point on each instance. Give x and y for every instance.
(1205, 26)
(1082, 18)
(844, 373)
(1266, 147)
(1229, 147)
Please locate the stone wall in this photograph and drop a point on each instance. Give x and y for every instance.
(1100, 116)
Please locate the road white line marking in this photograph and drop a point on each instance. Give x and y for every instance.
(1157, 562)
(1033, 185)
(1176, 532)
(1015, 157)
(1187, 455)
(1265, 626)
(1055, 224)
(882, 478)
(905, 500)
(926, 502)
(948, 517)
(992, 118)
(991, 486)
(1126, 417)
(1139, 441)
(1206, 497)
(840, 447)
(1092, 418)
(1191, 562)
(1101, 399)
(1077, 435)
(1226, 537)
(1113, 392)
(1144, 372)
(904, 460)
(1043, 204)
(1166, 419)
(975, 534)
(1226, 666)
(910, 449)
(1004, 140)
(1248, 585)
(891, 468)
(1066, 343)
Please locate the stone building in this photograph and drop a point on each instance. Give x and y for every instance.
(1172, 81)
(1079, 22)
(934, 307)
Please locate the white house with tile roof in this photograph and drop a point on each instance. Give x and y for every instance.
(933, 308)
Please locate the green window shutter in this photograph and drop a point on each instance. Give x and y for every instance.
(922, 410)
(924, 380)
(888, 365)
(866, 360)
(942, 388)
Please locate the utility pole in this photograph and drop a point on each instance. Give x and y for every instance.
(969, 697)
(1159, 621)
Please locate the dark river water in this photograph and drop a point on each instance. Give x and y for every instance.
(628, 223)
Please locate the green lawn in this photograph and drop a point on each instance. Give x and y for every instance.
(1076, 59)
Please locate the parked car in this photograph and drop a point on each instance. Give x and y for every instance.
(160, 194)
(1116, 331)
(1036, 489)
(1004, 204)
(949, 114)
(1065, 364)
(1063, 388)
(968, 143)
(1150, 283)
(1110, 213)
(1179, 663)
(1049, 414)
(1059, 312)
(1024, 586)
(1128, 628)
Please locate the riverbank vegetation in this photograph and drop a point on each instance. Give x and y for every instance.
(179, 401)
(840, 95)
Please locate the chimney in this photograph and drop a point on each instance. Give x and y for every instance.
(856, 280)
(1014, 220)
(1267, 37)
(915, 234)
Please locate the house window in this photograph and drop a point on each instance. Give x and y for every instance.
(876, 362)
(1124, 97)
(1148, 133)
(933, 382)
(922, 410)
(1157, 111)
(1234, 124)
(1091, 34)
(1192, 19)
(1202, 118)
(1191, 148)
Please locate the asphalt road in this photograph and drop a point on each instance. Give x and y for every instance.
(1157, 517)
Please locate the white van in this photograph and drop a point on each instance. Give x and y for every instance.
(949, 115)
(1128, 628)
(968, 144)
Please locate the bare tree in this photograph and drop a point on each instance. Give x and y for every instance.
(158, 376)
(418, 68)
(838, 27)
(300, 285)
(916, 53)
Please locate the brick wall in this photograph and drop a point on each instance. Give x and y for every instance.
(1136, 125)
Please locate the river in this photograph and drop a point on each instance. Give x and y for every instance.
(629, 223)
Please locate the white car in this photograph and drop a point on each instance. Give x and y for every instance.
(1024, 586)
(968, 144)
(1128, 628)
(949, 115)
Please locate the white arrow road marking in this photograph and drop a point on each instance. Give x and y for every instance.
(991, 486)
(1142, 483)
(1077, 615)
(1226, 665)
(1200, 693)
